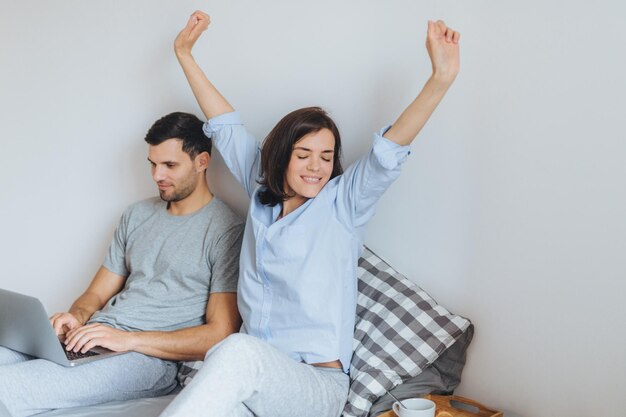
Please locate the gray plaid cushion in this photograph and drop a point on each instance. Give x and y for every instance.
(400, 330)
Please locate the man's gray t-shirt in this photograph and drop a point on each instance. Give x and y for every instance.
(172, 263)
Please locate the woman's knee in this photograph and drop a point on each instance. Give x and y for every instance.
(237, 345)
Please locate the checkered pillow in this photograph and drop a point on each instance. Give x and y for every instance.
(400, 330)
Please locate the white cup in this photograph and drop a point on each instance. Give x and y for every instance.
(415, 407)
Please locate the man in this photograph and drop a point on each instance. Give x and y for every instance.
(166, 290)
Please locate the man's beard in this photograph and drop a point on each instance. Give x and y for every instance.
(177, 195)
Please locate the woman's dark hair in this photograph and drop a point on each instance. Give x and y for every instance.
(279, 144)
(183, 126)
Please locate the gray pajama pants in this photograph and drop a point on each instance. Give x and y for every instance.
(30, 386)
(244, 376)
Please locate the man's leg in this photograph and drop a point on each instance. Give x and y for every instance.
(10, 357)
(39, 385)
(3, 411)
(245, 375)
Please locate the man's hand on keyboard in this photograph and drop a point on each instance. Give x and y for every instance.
(64, 323)
(87, 337)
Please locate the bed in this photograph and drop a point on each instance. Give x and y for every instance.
(429, 359)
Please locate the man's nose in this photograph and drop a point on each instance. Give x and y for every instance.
(158, 174)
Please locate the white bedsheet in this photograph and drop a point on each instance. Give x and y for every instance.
(143, 407)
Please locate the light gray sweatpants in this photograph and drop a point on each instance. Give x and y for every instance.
(30, 386)
(244, 376)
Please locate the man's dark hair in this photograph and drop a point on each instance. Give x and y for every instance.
(278, 146)
(183, 126)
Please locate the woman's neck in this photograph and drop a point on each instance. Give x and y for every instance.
(291, 204)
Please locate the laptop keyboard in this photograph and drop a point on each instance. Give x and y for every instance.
(72, 356)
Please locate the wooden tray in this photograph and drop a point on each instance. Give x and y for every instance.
(455, 406)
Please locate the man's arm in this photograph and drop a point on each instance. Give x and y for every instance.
(104, 285)
(443, 48)
(210, 100)
(192, 343)
(222, 319)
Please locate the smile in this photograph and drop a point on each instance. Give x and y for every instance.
(311, 180)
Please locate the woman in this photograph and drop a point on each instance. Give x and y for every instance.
(304, 233)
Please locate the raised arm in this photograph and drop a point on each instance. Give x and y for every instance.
(442, 44)
(210, 100)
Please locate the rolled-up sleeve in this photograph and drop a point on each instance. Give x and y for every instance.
(366, 180)
(389, 154)
(239, 149)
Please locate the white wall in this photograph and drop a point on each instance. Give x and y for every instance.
(510, 210)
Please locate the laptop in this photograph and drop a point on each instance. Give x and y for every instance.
(25, 328)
